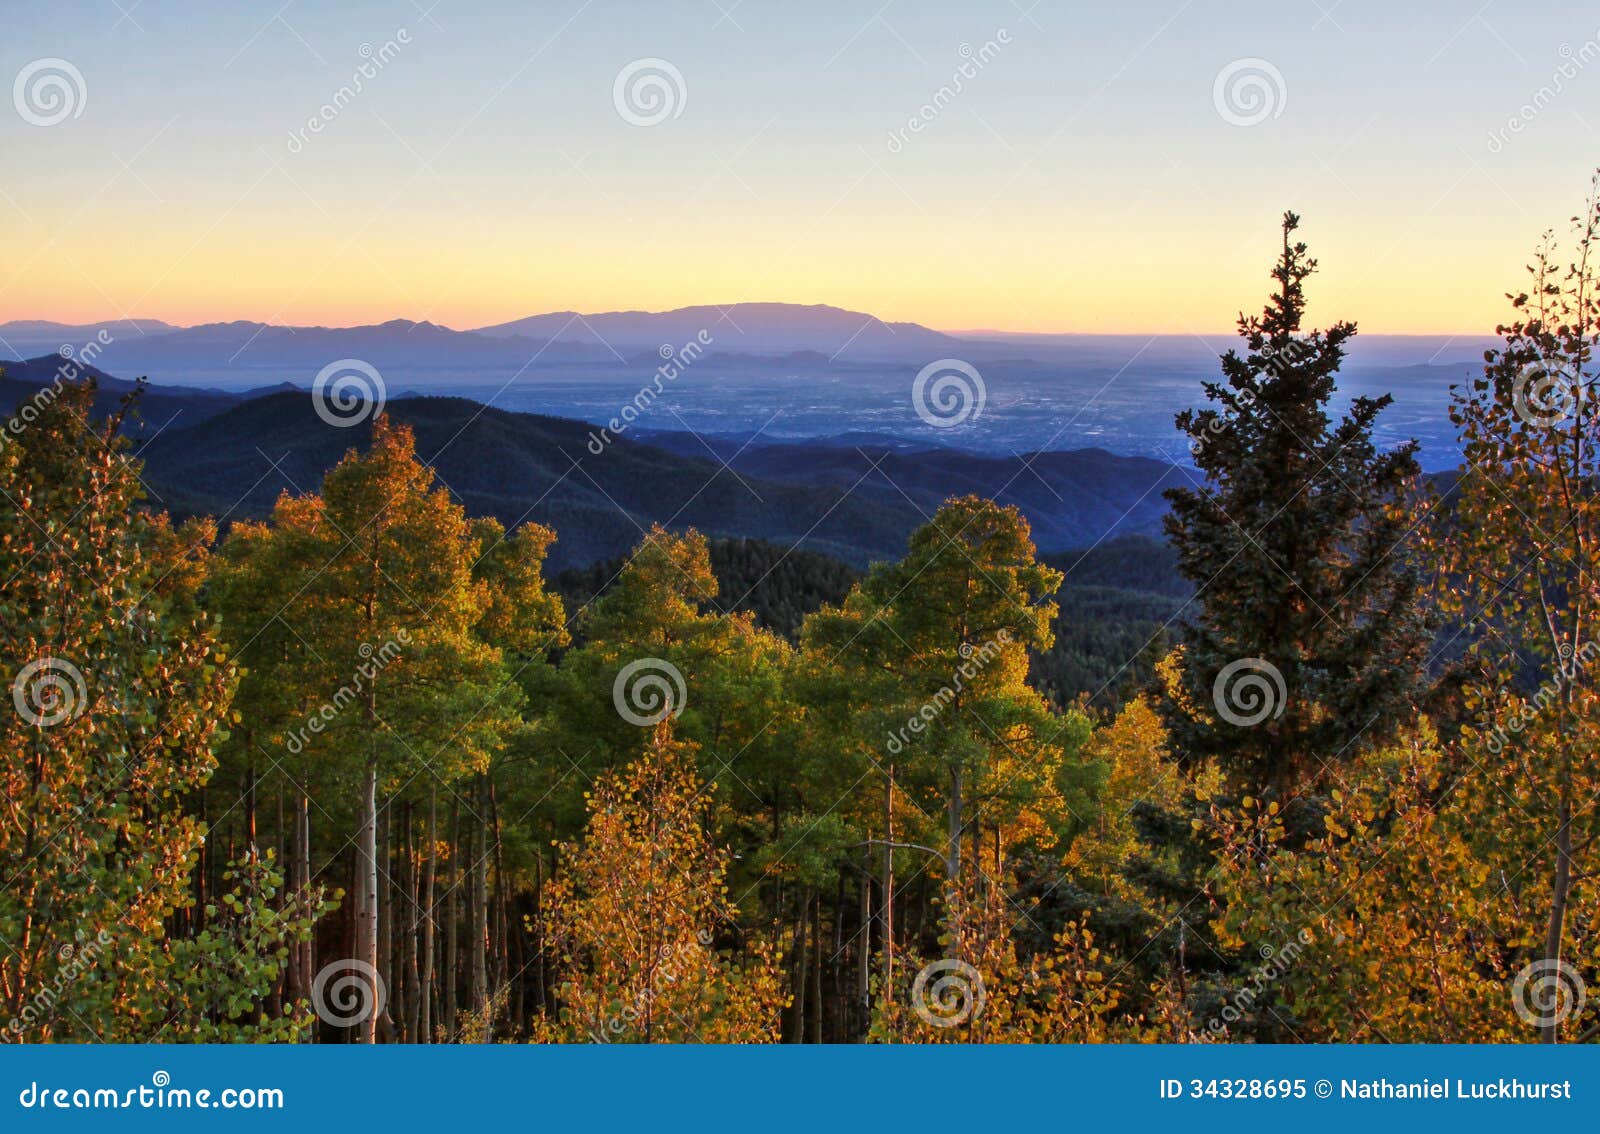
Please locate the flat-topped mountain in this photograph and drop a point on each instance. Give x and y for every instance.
(750, 328)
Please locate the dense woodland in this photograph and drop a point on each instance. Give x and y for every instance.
(368, 770)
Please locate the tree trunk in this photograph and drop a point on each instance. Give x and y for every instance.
(816, 969)
(367, 910)
(425, 978)
(452, 921)
(1555, 928)
(952, 865)
(802, 959)
(480, 905)
(887, 905)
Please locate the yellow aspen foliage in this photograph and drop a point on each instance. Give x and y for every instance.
(640, 917)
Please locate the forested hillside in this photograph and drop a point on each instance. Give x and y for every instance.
(854, 504)
(314, 739)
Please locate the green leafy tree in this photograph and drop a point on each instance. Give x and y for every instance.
(1519, 562)
(118, 688)
(384, 614)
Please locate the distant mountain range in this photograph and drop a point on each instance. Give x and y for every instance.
(746, 330)
(760, 340)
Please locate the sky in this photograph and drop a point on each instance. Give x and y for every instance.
(1098, 167)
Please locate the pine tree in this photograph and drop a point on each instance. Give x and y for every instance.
(1310, 635)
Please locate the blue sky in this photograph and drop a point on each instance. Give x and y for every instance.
(1083, 178)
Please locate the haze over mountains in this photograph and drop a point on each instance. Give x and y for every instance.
(748, 329)
(787, 373)
(230, 455)
(751, 330)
